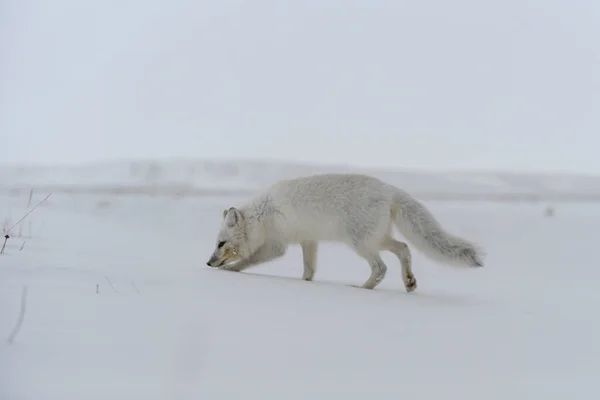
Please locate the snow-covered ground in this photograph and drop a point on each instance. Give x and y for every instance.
(120, 305)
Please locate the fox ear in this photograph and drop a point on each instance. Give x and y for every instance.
(232, 216)
(225, 211)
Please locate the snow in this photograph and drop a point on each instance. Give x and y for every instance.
(163, 325)
(206, 177)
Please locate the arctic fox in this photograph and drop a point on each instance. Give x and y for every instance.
(354, 209)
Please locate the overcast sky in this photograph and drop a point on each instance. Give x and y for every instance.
(509, 84)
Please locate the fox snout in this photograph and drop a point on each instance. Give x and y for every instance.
(213, 261)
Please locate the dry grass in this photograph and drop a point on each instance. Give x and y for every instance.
(103, 204)
(21, 318)
(8, 227)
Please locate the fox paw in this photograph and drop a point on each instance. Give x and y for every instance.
(410, 283)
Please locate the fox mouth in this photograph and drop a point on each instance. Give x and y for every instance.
(221, 263)
(228, 256)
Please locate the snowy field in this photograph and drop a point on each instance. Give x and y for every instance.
(121, 305)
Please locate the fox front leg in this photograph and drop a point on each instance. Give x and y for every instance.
(309, 259)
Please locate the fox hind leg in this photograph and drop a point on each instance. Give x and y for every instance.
(401, 250)
(365, 241)
(378, 270)
(309, 258)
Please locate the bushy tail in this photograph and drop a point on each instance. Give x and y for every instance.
(424, 232)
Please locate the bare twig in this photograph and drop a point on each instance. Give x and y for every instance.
(6, 237)
(135, 287)
(29, 212)
(20, 234)
(23, 245)
(7, 231)
(30, 196)
(111, 285)
(5, 224)
(17, 327)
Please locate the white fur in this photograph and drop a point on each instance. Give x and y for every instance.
(355, 209)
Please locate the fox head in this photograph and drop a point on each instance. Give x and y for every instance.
(232, 239)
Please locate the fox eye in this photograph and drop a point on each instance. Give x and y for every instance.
(221, 244)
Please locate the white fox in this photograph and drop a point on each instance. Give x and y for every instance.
(355, 209)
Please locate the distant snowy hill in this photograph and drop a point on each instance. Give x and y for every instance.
(219, 177)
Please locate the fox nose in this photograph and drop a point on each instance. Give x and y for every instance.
(211, 261)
